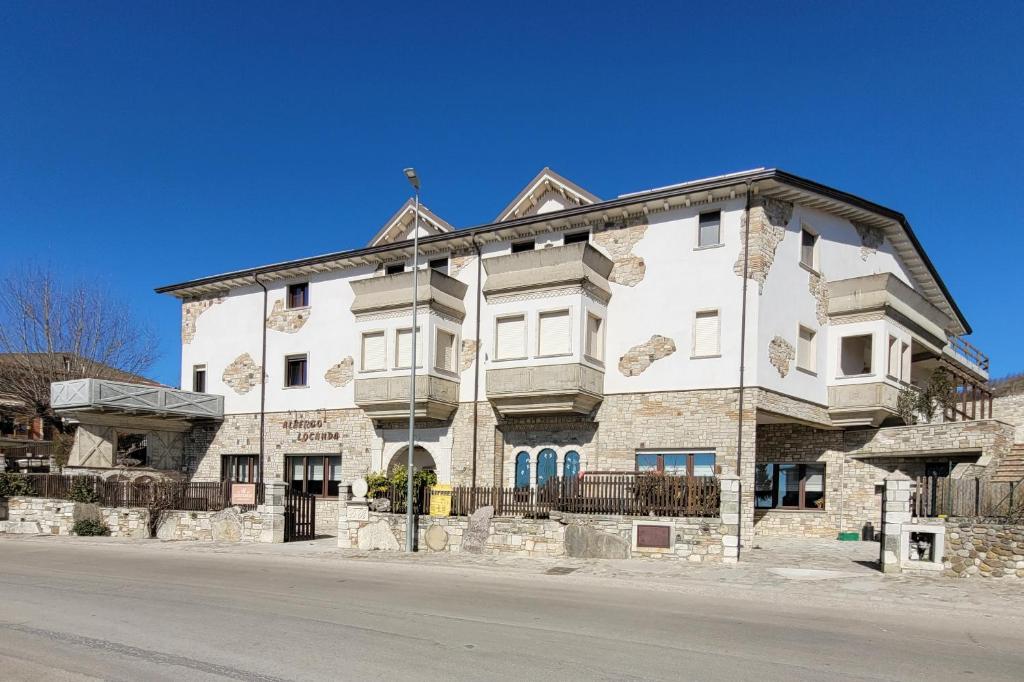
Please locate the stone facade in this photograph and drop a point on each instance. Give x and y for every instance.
(468, 354)
(871, 239)
(629, 269)
(768, 221)
(340, 374)
(983, 549)
(638, 358)
(287, 320)
(781, 354)
(190, 311)
(242, 375)
(1010, 409)
(818, 288)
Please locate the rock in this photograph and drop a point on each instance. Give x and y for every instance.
(586, 543)
(227, 526)
(380, 504)
(436, 538)
(474, 539)
(378, 535)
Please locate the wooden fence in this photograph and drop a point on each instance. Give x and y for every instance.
(177, 495)
(966, 497)
(627, 494)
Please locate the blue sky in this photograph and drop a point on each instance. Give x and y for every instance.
(150, 143)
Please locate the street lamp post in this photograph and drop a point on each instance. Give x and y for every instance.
(410, 533)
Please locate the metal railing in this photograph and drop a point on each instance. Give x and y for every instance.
(935, 496)
(177, 495)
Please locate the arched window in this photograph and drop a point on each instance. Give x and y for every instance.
(547, 466)
(571, 465)
(523, 470)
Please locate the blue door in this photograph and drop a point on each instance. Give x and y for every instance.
(547, 466)
(523, 470)
(571, 465)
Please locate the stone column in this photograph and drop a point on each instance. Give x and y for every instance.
(273, 512)
(729, 510)
(895, 512)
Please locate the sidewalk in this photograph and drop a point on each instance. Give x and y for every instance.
(819, 571)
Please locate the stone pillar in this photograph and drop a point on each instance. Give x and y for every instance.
(895, 512)
(729, 510)
(273, 512)
(353, 515)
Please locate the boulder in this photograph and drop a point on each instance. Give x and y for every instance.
(436, 538)
(380, 504)
(227, 526)
(474, 539)
(378, 535)
(587, 543)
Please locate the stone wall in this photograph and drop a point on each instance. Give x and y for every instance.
(1010, 409)
(984, 549)
(228, 525)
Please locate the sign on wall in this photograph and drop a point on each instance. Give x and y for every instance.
(243, 493)
(440, 499)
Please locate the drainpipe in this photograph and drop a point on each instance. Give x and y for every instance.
(476, 355)
(743, 353)
(263, 373)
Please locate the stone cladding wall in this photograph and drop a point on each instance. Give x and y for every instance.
(287, 320)
(983, 549)
(638, 358)
(1010, 409)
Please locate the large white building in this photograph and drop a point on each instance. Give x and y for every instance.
(576, 334)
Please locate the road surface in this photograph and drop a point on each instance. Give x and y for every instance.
(73, 611)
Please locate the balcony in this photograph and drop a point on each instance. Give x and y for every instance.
(101, 395)
(387, 398)
(862, 404)
(574, 265)
(545, 389)
(435, 290)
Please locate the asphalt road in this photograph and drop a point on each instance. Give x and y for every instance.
(77, 611)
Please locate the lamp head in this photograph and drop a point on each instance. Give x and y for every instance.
(414, 180)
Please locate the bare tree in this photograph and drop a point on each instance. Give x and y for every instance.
(56, 330)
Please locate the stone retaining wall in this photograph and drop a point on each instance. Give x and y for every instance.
(984, 549)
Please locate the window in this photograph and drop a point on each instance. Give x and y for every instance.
(547, 466)
(808, 249)
(677, 463)
(519, 247)
(789, 486)
(240, 468)
(523, 470)
(705, 334)
(510, 337)
(576, 238)
(314, 474)
(440, 265)
(709, 229)
(403, 348)
(895, 358)
(295, 371)
(907, 359)
(444, 352)
(595, 337)
(571, 465)
(806, 350)
(553, 334)
(298, 295)
(131, 450)
(394, 269)
(855, 355)
(373, 358)
(199, 378)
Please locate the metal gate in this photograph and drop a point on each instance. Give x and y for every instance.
(299, 515)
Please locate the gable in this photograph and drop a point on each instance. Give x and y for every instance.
(399, 227)
(546, 192)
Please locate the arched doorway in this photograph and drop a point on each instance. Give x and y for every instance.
(421, 460)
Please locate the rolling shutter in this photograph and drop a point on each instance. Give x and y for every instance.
(403, 348)
(594, 349)
(805, 350)
(444, 350)
(705, 333)
(554, 333)
(373, 351)
(510, 340)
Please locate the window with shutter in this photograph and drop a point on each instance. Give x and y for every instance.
(705, 334)
(403, 348)
(445, 351)
(595, 339)
(553, 333)
(907, 359)
(709, 229)
(805, 350)
(808, 248)
(373, 351)
(894, 357)
(510, 338)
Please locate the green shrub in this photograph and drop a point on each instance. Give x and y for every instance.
(82, 490)
(15, 484)
(90, 527)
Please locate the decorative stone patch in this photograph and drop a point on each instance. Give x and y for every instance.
(768, 221)
(871, 239)
(629, 269)
(638, 358)
(288, 321)
(457, 263)
(340, 374)
(468, 354)
(819, 290)
(242, 375)
(781, 354)
(190, 312)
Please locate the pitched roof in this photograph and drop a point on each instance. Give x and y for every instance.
(547, 183)
(399, 226)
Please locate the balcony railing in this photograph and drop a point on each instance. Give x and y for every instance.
(967, 351)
